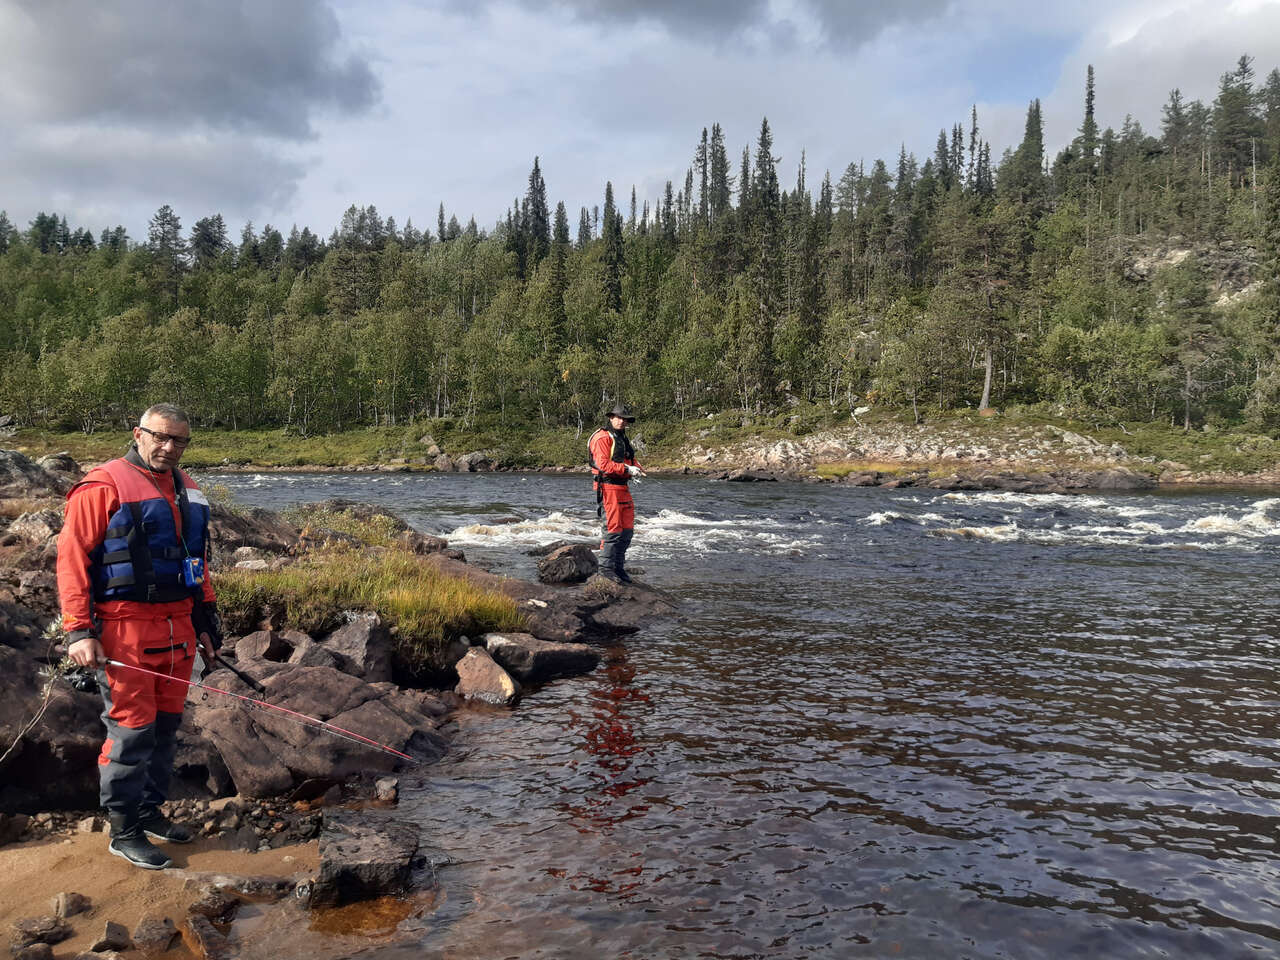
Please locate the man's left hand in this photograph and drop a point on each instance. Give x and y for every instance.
(206, 648)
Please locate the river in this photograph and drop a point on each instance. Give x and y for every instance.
(902, 723)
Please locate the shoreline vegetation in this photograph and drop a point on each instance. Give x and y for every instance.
(805, 443)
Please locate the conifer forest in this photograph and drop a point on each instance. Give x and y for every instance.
(1088, 283)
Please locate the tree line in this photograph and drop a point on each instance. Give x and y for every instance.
(965, 280)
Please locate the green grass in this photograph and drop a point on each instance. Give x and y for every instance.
(425, 608)
(528, 444)
(372, 528)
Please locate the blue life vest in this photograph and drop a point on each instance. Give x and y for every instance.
(142, 553)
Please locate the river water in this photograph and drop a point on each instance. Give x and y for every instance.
(897, 723)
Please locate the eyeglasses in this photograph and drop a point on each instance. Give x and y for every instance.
(180, 443)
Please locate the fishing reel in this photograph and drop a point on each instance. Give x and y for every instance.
(82, 679)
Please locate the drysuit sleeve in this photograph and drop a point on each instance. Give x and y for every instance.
(84, 524)
(602, 453)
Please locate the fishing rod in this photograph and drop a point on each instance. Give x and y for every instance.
(294, 714)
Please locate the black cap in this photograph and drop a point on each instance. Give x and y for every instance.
(623, 411)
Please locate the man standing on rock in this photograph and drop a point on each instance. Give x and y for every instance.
(613, 464)
(134, 588)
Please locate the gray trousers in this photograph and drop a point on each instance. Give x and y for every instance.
(136, 763)
(613, 549)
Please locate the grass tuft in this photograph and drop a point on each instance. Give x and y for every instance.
(425, 608)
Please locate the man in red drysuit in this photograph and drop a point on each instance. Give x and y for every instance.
(134, 588)
(613, 464)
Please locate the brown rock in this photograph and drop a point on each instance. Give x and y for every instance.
(529, 659)
(37, 526)
(114, 937)
(363, 648)
(37, 951)
(263, 645)
(568, 564)
(215, 904)
(154, 934)
(480, 678)
(31, 930)
(69, 904)
(204, 940)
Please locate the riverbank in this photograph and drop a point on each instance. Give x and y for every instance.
(802, 444)
(340, 612)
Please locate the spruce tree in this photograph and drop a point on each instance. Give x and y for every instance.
(1237, 125)
(537, 219)
(1087, 141)
(613, 256)
(721, 182)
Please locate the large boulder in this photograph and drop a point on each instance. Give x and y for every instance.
(474, 462)
(268, 753)
(21, 477)
(62, 463)
(231, 529)
(574, 563)
(529, 659)
(363, 647)
(264, 645)
(363, 855)
(38, 526)
(480, 678)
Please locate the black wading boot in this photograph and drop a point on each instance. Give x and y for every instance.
(129, 840)
(159, 827)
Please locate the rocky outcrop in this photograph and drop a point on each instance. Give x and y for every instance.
(592, 612)
(21, 477)
(267, 752)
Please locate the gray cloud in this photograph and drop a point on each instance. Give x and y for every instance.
(262, 68)
(99, 177)
(842, 23)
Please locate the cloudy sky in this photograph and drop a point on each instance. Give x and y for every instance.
(288, 111)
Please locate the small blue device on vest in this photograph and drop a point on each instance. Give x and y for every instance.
(193, 571)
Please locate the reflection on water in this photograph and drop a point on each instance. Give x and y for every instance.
(873, 735)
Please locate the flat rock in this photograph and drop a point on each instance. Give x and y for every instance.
(31, 930)
(259, 889)
(267, 753)
(527, 658)
(480, 678)
(36, 951)
(567, 614)
(363, 855)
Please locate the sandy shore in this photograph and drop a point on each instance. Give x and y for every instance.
(32, 874)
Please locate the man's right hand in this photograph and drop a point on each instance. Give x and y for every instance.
(633, 470)
(87, 652)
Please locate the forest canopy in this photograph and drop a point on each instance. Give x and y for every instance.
(1134, 276)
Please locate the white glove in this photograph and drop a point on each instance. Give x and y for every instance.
(633, 470)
